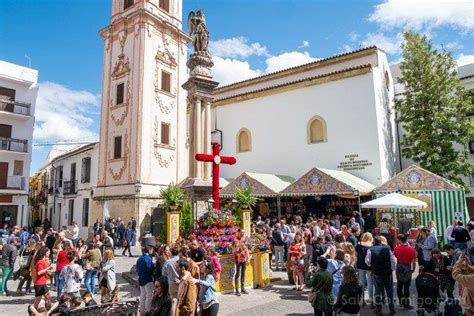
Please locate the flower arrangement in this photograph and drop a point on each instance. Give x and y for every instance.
(258, 242)
(217, 228)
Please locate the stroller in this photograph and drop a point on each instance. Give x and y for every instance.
(427, 287)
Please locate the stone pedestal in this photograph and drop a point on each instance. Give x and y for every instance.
(198, 192)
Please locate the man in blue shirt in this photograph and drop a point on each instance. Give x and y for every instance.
(144, 270)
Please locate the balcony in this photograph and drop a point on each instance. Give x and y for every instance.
(14, 183)
(15, 107)
(12, 144)
(70, 187)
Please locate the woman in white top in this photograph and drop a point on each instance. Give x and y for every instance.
(72, 275)
(432, 227)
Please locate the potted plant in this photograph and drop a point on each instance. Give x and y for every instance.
(172, 197)
(245, 199)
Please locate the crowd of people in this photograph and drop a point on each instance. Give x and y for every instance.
(62, 262)
(340, 258)
(344, 262)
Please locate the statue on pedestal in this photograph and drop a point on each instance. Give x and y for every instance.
(200, 61)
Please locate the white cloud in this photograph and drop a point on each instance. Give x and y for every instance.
(230, 64)
(227, 70)
(304, 44)
(391, 45)
(64, 114)
(236, 47)
(454, 46)
(347, 48)
(465, 59)
(287, 60)
(419, 14)
(353, 36)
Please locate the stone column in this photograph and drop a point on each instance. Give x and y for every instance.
(207, 138)
(198, 137)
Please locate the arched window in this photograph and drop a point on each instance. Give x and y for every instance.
(317, 130)
(244, 141)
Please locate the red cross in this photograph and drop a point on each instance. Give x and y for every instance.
(216, 160)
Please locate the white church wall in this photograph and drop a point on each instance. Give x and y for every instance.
(278, 126)
(384, 96)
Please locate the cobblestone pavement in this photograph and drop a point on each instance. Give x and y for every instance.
(277, 299)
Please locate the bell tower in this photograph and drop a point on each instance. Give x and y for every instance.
(143, 143)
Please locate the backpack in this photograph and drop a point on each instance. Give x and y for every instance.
(403, 272)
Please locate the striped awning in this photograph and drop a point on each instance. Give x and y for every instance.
(443, 207)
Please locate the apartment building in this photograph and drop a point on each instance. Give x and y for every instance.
(63, 189)
(18, 92)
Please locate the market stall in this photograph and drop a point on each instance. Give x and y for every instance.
(331, 191)
(264, 186)
(445, 200)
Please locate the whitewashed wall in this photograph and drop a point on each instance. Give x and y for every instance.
(278, 126)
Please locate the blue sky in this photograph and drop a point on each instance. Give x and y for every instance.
(248, 38)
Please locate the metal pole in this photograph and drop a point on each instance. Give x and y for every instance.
(279, 206)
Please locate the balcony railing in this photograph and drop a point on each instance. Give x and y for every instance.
(14, 183)
(12, 144)
(70, 187)
(15, 107)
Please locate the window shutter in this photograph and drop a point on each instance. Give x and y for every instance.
(88, 169)
(18, 168)
(118, 147)
(120, 93)
(127, 4)
(83, 170)
(85, 212)
(165, 5)
(165, 81)
(165, 133)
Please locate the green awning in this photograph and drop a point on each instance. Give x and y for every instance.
(262, 184)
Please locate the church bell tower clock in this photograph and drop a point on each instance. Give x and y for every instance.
(143, 143)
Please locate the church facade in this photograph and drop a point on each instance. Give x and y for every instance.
(335, 113)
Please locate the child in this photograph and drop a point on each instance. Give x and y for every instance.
(211, 250)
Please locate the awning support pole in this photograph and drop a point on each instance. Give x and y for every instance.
(278, 206)
(358, 202)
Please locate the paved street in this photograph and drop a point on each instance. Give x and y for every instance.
(277, 299)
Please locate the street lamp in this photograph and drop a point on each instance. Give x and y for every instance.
(210, 204)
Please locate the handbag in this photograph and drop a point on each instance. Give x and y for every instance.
(314, 293)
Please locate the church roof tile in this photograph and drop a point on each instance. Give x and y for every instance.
(282, 71)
